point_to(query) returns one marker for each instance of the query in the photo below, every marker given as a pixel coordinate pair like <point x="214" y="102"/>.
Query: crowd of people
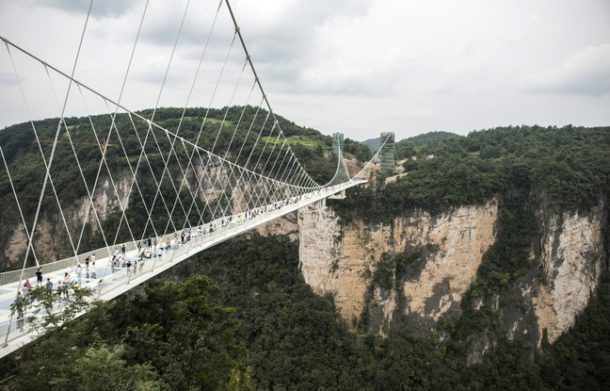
<point x="146" y="248"/>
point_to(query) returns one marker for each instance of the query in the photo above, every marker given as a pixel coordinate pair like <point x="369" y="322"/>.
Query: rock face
<point x="343" y="261"/>
<point x="572" y="262"/>
<point x="105" y="201"/>
<point x="284" y="226"/>
<point x="433" y="261"/>
<point x="16" y="244"/>
<point x="51" y="240"/>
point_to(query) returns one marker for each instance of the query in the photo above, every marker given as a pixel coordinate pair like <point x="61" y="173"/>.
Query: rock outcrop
<point x="442" y="256"/>
<point x="287" y="225"/>
<point x="343" y="260"/>
<point x="51" y="240"/>
<point x="572" y="263"/>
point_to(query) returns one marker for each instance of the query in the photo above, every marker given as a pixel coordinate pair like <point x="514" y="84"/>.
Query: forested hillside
<point x="241" y="317"/>
<point x="406" y="147"/>
<point x="241" y="134"/>
<point x="421" y="143"/>
<point x="22" y="154"/>
<point x="372" y="143"/>
<point x="569" y="168"/>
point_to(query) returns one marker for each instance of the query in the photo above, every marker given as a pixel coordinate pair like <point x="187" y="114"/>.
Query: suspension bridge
<point x="124" y="195"/>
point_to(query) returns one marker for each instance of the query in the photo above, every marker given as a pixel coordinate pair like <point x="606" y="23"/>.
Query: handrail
<point x="110" y="285"/>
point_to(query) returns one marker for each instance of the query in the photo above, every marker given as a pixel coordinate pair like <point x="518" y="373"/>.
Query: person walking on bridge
<point x="38" y="276"/>
<point x="66" y="285"/>
<point x="128" y="266"/>
<point x="19" y="307"/>
<point x="27" y="286"/>
<point x="79" y="274"/>
<point x="87" y="267"/>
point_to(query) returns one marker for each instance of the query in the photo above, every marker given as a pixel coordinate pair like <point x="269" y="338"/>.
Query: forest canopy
<point x="565" y="168"/>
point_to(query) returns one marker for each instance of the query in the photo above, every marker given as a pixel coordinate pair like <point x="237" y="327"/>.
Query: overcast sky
<point x="355" y="66"/>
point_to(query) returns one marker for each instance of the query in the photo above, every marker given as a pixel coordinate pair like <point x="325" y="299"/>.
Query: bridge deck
<point x="108" y="284"/>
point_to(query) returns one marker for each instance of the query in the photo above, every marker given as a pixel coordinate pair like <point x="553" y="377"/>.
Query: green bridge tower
<point x="387" y="154"/>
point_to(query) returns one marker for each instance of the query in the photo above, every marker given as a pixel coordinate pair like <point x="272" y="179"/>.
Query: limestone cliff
<point x="572" y="262"/>
<point x="415" y="271"/>
<point x="343" y="260"/>
<point x="51" y="240"/>
<point x="284" y="226"/>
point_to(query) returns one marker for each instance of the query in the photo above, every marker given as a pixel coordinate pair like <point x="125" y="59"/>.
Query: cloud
<point x="308" y="54"/>
<point x="281" y="45"/>
<point x="100" y="9"/>
<point x="586" y="72"/>
<point x="350" y="65"/>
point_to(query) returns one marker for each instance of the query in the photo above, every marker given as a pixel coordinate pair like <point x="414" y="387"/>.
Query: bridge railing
<point x="29" y="272"/>
<point x="107" y="283"/>
<point x="120" y="278"/>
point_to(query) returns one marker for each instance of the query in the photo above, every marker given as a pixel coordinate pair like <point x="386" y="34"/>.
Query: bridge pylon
<point x="387" y="153"/>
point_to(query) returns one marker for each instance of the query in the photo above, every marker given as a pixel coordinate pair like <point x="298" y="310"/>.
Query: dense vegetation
<point x="141" y="341"/>
<point x="124" y="142"/>
<point x="372" y="143"/>
<point x="21" y="149"/>
<point x="240" y="315"/>
<point x="356" y="150"/>
<point x="255" y="324"/>
<point x="405" y="147"/>
<point x="565" y="168"/>
<point x="409" y="147"/>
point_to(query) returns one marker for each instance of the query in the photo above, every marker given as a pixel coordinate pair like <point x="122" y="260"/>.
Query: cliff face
<point x="430" y="263"/>
<point x="287" y="225"/>
<point x="343" y="261"/>
<point x="51" y="240"/>
<point x="572" y="260"/>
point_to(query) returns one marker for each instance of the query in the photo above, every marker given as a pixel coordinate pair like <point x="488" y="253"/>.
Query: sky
<point x="355" y="66"/>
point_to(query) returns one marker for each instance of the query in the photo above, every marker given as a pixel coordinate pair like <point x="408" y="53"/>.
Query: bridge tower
<point x="387" y="153"/>
<point x="337" y="142"/>
<point x="337" y="149"/>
